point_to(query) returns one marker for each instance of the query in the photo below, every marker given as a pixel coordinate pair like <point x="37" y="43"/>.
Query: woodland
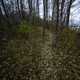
<point x="37" y="41"/>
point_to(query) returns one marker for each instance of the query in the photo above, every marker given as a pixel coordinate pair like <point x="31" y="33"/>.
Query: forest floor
<point x="30" y="56"/>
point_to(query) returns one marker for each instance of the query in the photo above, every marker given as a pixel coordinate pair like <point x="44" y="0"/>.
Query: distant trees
<point x="37" y="8"/>
<point x="1" y="15"/>
<point x="4" y="9"/>
<point x="57" y="8"/>
<point x="61" y="14"/>
<point x="18" y="8"/>
<point x="60" y="9"/>
<point x="45" y="6"/>
<point x="1" y="12"/>
<point x="68" y="11"/>
<point x="30" y="7"/>
<point x="21" y="6"/>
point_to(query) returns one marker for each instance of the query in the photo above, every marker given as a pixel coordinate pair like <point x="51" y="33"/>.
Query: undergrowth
<point x="32" y="58"/>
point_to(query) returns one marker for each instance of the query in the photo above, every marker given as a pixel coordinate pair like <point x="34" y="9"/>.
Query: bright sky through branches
<point x="75" y="13"/>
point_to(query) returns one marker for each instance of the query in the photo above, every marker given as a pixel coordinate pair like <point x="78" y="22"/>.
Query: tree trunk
<point x="53" y="7"/>
<point x="61" y="14"/>
<point x="19" y="8"/>
<point x="57" y="17"/>
<point x="3" y="5"/>
<point x="30" y="10"/>
<point x="37" y="8"/>
<point x="37" y="5"/>
<point x="68" y="12"/>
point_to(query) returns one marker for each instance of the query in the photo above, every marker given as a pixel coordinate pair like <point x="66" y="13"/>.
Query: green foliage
<point x="24" y="27"/>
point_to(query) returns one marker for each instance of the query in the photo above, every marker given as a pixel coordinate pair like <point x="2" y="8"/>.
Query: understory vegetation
<point x="39" y="40"/>
<point x="25" y="54"/>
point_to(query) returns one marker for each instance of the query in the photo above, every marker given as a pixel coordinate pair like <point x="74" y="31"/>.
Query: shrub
<point x="24" y="27"/>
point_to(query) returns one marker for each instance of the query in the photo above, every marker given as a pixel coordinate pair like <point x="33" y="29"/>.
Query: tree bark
<point x="68" y="12"/>
<point x="61" y="15"/>
<point x="18" y="8"/>
<point x="3" y="5"/>
<point x="30" y="10"/>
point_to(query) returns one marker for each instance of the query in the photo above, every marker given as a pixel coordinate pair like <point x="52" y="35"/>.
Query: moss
<point x="24" y="27"/>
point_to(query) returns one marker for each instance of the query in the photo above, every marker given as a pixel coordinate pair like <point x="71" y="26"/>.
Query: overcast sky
<point x="75" y="12"/>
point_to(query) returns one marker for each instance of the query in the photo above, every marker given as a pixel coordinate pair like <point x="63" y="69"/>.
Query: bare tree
<point x="37" y="6"/>
<point x="62" y="13"/>
<point x="45" y="6"/>
<point x="0" y="14"/>
<point x="53" y="9"/>
<point x="45" y="10"/>
<point x="30" y="8"/>
<point x="21" y="7"/>
<point x="68" y="11"/>
<point x="18" y="7"/>
<point x="3" y="5"/>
